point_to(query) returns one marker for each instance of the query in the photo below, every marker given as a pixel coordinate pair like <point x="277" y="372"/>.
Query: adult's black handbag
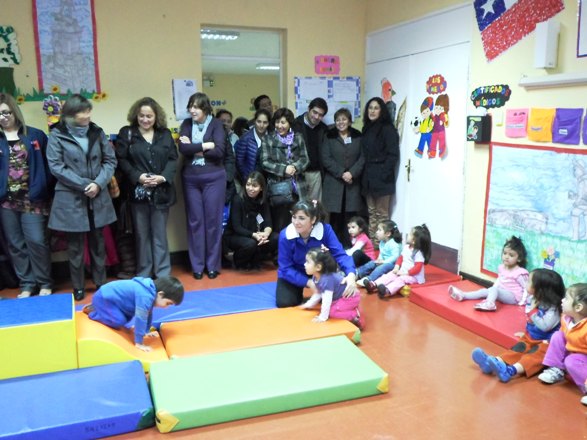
<point x="281" y="193"/>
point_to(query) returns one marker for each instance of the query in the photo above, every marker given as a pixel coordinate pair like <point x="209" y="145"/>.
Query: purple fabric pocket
<point x="585" y="130"/>
<point x="566" y="128"/>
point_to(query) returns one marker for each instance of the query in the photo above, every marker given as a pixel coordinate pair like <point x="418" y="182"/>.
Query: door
<point x="429" y="189"/>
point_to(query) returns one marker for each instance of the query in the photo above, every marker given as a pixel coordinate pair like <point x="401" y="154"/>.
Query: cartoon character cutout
<point x="438" y="141"/>
<point x="387" y="93"/>
<point x="424" y="126"/>
<point x="472" y="131"/>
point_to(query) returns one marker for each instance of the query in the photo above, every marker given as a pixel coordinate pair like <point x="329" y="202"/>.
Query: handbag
<point x="280" y="193"/>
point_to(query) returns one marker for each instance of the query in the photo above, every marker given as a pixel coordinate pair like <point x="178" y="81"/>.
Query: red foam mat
<point x="498" y="327"/>
<point x="436" y="275"/>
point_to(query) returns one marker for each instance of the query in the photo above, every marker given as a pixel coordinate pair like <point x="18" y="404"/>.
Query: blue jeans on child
<point x="374" y="270"/>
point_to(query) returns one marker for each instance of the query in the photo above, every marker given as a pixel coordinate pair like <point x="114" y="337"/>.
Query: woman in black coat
<point x="343" y="162"/>
<point x="249" y="232"/>
<point x="380" y="145"/>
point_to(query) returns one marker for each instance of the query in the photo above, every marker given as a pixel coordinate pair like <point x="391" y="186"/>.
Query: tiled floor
<point x="436" y="391"/>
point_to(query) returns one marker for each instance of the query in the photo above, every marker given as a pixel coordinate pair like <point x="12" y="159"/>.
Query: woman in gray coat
<point x="343" y="163"/>
<point x="83" y="161"/>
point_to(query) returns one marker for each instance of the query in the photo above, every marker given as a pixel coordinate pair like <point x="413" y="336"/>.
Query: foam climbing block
<point x="221" y="387"/>
<point x="498" y="327"/>
<point x="98" y="344"/>
<point x="436" y="275"/>
<point x="76" y="404"/>
<point x="37" y="335"/>
<point x="247" y="330"/>
<point x="222" y="301"/>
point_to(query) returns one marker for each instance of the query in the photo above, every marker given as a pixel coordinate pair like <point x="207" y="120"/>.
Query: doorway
<point x="239" y="64"/>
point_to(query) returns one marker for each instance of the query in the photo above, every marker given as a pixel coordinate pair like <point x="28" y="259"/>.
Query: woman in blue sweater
<point x="305" y="232"/>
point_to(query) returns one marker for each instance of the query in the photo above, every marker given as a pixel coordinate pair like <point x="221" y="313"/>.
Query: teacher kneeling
<point x="305" y="232"/>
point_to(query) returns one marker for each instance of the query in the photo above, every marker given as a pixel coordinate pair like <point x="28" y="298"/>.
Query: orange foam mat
<point x="247" y="330"/>
<point x="499" y="327"/>
<point x="98" y="344"/>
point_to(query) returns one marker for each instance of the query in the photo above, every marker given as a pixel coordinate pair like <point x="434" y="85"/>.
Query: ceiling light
<point x="267" y="66"/>
<point x="211" y="34"/>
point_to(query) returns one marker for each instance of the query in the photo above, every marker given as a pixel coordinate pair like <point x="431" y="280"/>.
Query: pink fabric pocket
<point x="516" y="121"/>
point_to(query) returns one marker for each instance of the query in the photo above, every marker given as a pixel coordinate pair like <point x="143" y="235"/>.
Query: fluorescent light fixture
<point x="213" y="34"/>
<point x="557" y="80"/>
<point x="262" y="66"/>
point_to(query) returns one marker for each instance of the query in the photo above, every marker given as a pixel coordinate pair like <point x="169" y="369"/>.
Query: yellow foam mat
<point x="98" y="344"/>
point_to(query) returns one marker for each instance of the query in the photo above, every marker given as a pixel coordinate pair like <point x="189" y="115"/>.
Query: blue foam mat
<point x="215" y="302"/>
<point x="86" y="403"/>
<point x="35" y="310"/>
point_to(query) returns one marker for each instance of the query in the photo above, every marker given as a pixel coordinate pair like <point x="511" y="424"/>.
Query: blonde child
<point x="409" y="267"/>
<point x="390" y="247"/>
<point x="546" y="289"/>
<point x="567" y="351"/>
<point x="327" y="287"/>
<point x="362" y="249"/>
<point x="510" y="286"/>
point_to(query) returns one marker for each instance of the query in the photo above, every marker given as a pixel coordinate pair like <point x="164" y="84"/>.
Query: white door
<point x="429" y="190"/>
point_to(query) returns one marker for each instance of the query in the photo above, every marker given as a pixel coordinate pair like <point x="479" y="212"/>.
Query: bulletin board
<point x="540" y="195"/>
<point x="338" y="92"/>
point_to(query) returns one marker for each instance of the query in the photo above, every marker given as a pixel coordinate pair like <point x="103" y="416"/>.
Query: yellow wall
<point x="506" y="69"/>
<point x="143" y="44"/>
<point x="239" y="90"/>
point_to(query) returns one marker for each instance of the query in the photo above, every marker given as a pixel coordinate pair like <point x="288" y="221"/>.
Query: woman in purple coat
<point x="202" y="140"/>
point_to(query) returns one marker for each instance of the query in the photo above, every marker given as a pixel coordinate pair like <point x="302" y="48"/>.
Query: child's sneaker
<point x="361" y="282"/>
<point x="456" y="294"/>
<point x="486" y="306"/>
<point x="500" y="369"/>
<point x="584" y="400"/>
<point x="382" y="291"/>
<point x="552" y="375"/>
<point x="481" y="359"/>
<point x="370" y="286"/>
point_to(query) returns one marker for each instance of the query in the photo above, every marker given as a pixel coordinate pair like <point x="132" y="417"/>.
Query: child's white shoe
<point x="456" y="294"/>
<point x="552" y="375"/>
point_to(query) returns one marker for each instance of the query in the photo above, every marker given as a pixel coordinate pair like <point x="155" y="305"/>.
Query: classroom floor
<point x="436" y="391"/>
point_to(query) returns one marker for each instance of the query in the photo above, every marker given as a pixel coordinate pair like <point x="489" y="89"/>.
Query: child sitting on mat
<point x="326" y="285"/>
<point x="115" y="304"/>
<point x="409" y="267"/>
<point x="390" y="247"/>
<point x="546" y="289"/>
<point x="510" y="286"/>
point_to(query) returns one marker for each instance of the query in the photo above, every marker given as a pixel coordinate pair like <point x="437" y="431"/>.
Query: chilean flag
<point x="505" y="22"/>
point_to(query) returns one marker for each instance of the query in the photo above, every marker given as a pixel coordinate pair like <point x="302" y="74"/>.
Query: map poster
<point x="538" y="194"/>
<point x="65" y="36"/>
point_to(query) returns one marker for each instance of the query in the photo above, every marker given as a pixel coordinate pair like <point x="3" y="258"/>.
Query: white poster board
<point x="182" y="90"/>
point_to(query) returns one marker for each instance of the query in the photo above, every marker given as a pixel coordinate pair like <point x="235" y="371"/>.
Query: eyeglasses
<point x="6" y="114"/>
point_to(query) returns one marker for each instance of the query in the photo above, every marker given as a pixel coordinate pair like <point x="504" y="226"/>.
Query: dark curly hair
<point x="324" y="259"/>
<point x="549" y="288"/>
<point x="516" y="245"/>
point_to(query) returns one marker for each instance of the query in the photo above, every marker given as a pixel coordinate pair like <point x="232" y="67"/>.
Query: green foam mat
<point x="221" y="387"/>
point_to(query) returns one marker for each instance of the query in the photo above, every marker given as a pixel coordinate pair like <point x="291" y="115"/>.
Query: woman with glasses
<point x="26" y="187"/>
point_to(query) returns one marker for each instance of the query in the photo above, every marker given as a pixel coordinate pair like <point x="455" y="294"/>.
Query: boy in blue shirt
<point x="117" y="303"/>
